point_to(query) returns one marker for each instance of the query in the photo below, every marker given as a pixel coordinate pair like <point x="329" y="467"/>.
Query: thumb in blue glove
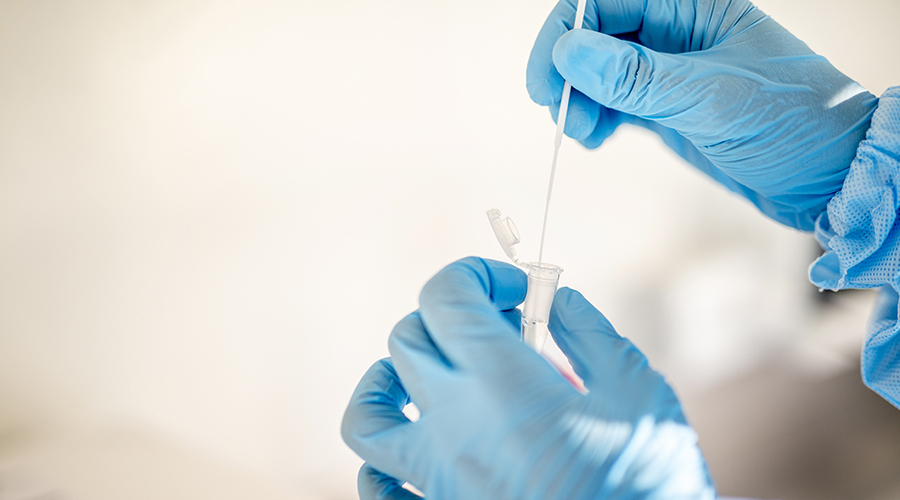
<point x="726" y="87"/>
<point x="497" y="421"/>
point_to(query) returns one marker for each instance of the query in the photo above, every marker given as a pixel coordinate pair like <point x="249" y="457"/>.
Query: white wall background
<point x="212" y="213"/>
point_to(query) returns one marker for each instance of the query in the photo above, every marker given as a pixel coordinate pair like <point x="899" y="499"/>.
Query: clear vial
<point x="543" y="280"/>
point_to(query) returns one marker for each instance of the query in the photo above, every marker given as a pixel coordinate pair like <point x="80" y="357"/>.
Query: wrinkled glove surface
<point x="723" y="84"/>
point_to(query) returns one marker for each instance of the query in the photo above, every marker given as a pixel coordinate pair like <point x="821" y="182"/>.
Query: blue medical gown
<point x="860" y="232"/>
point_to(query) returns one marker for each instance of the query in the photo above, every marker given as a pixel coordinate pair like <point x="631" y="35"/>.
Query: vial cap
<point x="506" y="232"/>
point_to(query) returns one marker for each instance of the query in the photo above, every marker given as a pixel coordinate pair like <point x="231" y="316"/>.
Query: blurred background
<point x="212" y="213"/>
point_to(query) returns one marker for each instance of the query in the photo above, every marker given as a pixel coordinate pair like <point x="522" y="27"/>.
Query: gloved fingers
<point x="461" y="310"/>
<point x="514" y="317"/>
<point x="611" y="367"/>
<point x="586" y="337"/>
<point x="418" y="362"/>
<point x="663" y="25"/>
<point x="426" y="371"/>
<point x="629" y="77"/>
<point x="607" y="123"/>
<point x="374" y="425"/>
<point x="581" y="117"/>
<point x="375" y="485"/>
<point x="543" y="81"/>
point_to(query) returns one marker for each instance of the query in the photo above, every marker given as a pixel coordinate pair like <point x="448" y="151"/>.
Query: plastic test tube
<point x="543" y="279"/>
<point x="542" y="282"/>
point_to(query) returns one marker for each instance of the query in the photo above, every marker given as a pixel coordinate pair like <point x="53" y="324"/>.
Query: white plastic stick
<point x="560" y="129"/>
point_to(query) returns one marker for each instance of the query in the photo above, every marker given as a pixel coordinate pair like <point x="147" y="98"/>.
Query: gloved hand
<point x="724" y="85"/>
<point x="498" y="422"/>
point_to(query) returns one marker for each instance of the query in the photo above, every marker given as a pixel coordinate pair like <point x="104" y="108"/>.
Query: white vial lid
<point x="506" y="232"/>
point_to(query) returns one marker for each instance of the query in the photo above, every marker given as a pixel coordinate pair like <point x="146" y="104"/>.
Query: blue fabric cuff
<point x="860" y="234"/>
<point x="859" y="229"/>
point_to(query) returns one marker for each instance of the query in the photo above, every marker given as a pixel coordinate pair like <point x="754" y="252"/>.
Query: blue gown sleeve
<point x="860" y="232"/>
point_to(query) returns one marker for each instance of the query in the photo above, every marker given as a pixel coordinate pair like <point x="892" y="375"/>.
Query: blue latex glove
<point x="498" y="422"/>
<point x="724" y="85"/>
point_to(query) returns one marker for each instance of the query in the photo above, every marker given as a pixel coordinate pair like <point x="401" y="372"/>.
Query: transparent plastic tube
<point x="543" y="280"/>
